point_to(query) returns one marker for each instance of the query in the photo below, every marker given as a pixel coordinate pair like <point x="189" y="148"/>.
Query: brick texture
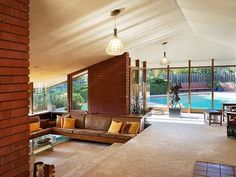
<point x="109" y="85"/>
<point x="14" y="63"/>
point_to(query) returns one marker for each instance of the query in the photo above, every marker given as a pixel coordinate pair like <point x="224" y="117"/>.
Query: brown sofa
<point x="93" y="127"/>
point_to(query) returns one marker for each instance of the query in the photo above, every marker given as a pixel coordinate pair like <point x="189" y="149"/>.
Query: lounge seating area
<point x="91" y="127"/>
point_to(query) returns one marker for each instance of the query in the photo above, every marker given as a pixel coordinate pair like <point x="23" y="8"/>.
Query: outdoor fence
<point x="200" y="78"/>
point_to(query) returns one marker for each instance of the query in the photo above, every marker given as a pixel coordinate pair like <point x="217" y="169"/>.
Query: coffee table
<point x="46" y="142"/>
<point x="36" y="147"/>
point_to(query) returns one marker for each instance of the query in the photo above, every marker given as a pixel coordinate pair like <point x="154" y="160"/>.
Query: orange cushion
<point x="69" y="123"/>
<point x="35" y="127"/>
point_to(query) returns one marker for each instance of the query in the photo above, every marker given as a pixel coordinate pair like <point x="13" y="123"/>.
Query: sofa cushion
<point x="79" y="119"/>
<point x="34" y="119"/>
<point x="118" y="136"/>
<point x="69" y="123"/>
<point x="97" y="122"/>
<point x="35" y="127"/>
<point x="62" y="130"/>
<point x="88" y="132"/>
<point x="44" y="123"/>
<point x="40" y="133"/>
<point x="125" y="128"/>
<point x="115" y="127"/>
<point x="134" y="128"/>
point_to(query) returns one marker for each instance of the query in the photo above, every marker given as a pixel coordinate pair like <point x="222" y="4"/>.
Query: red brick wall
<point x="14" y="128"/>
<point x="108" y="86"/>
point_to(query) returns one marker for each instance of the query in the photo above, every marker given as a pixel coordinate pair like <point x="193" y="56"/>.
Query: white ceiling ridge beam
<point x="184" y="15"/>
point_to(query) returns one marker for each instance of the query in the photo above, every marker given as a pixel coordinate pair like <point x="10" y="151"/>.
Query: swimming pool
<point x="198" y="100"/>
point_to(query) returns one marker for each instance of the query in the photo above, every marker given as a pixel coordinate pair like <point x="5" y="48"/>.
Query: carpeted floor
<point x="70" y="155"/>
<point x="169" y="148"/>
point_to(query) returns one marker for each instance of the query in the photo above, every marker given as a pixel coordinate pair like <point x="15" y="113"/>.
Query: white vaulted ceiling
<point x="69" y="35"/>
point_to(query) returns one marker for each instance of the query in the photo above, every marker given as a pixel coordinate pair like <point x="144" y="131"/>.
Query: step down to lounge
<point x="76" y="172"/>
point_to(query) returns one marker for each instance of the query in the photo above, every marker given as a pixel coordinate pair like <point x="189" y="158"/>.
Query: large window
<point x="203" y="95"/>
<point x="58" y="96"/>
<point x="157" y="81"/>
<point x="224" y="85"/>
<point x="80" y="91"/>
<point x="40" y="97"/>
<point x="201" y="87"/>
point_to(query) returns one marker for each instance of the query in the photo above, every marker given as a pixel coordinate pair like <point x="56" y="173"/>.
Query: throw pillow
<point x="69" y="123"/>
<point x="35" y="127"/>
<point x="115" y="127"/>
<point x="125" y="128"/>
<point x="134" y="128"/>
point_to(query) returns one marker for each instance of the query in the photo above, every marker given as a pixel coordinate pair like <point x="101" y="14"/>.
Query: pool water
<point x="198" y="100"/>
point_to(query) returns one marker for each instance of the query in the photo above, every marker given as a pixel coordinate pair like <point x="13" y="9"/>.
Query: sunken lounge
<point x="108" y="88"/>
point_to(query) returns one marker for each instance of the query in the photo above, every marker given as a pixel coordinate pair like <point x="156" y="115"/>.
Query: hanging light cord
<point x="115" y="29"/>
<point x="115" y="21"/>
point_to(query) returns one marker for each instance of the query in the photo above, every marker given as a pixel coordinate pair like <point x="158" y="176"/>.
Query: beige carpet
<point x="71" y="155"/>
<point x="168" y="149"/>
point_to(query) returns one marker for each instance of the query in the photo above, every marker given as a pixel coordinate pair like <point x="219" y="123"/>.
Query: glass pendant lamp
<point x="115" y="47"/>
<point x="164" y="61"/>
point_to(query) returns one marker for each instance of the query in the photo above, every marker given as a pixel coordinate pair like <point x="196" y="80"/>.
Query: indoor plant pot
<point x="174" y="112"/>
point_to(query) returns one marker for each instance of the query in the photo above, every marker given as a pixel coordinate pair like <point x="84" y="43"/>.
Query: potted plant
<point x="175" y="107"/>
<point x="136" y="106"/>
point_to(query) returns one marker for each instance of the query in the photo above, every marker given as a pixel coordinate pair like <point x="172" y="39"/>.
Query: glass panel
<point x="80" y="92"/>
<point x="157" y="81"/>
<point x="225" y="85"/>
<point x="201" y="87"/>
<point x="180" y="76"/>
<point x="40" y="99"/>
<point x="58" y="96"/>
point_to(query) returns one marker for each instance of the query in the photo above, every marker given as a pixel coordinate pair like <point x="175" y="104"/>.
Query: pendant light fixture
<point x="164" y="61"/>
<point x="115" y="47"/>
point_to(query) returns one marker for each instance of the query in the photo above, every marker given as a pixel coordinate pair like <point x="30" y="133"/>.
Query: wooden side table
<point x="211" y="114"/>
